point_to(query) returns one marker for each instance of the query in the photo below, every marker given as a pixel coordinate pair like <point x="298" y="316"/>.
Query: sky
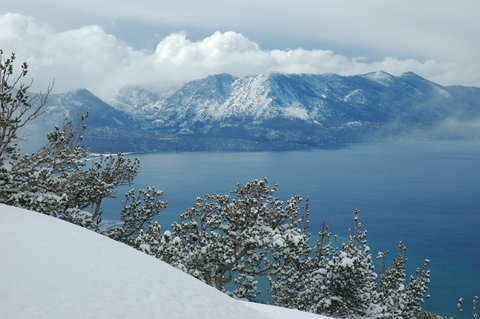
<point x="102" y="45"/>
<point x="53" y="269"/>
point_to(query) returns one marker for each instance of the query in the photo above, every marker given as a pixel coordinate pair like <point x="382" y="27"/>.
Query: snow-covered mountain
<point x="54" y="269"/>
<point x="131" y="97"/>
<point x="107" y="126"/>
<point x="324" y="100"/>
<point x="276" y="110"/>
<point x="81" y="101"/>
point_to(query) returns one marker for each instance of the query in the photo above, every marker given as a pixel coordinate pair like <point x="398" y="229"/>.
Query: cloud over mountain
<point x="89" y="57"/>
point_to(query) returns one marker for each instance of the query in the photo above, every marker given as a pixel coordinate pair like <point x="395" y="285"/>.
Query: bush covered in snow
<point x="342" y="282"/>
<point x="61" y="178"/>
<point x="223" y="239"/>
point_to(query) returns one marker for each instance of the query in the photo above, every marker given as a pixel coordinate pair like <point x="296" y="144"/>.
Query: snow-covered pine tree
<point x="151" y="241"/>
<point x="341" y="282"/>
<point x="396" y="298"/>
<point x="414" y="295"/>
<point x="32" y="180"/>
<point x="290" y="283"/>
<point x="345" y="283"/>
<point x="338" y="282"/>
<point x="93" y="181"/>
<point x="139" y="208"/>
<point x="16" y="107"/>
<point x="293" y="287"/>
<point x="60" y="179"/>
<point x="245" y="287"/>
<point x="391" y="286"/>
<point x="39" y="181"/>
<point x="252" y="234"/>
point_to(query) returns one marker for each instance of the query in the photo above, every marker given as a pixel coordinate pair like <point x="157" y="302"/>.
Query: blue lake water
<point x="425" y="193"/>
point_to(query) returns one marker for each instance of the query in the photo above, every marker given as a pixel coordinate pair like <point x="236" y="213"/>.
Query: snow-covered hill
<point x="52" y="269"/>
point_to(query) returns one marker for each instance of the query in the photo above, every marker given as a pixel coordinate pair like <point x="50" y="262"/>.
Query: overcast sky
<point x="102" y="45"/>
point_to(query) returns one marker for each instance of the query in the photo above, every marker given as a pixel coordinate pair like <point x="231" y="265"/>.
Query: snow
<point x="282" y="313"/>
<point x="442" y="92"/>
<point x="380" y="77"/>
<point x="356" y="96"/>
<point x="347" y="262"/>
<point x="296" y="111"/>
<point x="54" y="269"/>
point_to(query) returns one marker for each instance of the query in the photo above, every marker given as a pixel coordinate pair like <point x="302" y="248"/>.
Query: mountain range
<point x="270" y="111"/>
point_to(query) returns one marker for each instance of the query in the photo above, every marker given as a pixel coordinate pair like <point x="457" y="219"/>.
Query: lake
<point x="425" y="193"/>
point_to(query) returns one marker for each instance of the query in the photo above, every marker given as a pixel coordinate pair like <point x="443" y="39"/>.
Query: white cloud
<point x="88" y="57"/>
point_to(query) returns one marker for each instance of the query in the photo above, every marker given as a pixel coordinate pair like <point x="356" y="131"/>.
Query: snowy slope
<point x="52" y="269"/>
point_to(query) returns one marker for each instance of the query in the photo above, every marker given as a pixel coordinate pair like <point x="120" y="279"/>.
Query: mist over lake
<point x="425" y="193"/>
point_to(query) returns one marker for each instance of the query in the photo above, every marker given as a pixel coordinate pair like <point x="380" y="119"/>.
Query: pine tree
<point x="16" y="107"/>
<point x="138" y="211"/>
<point x="341" y="281"/>
<point x="61" y="179"/>
<point x="345" y="279"/>
<point x="396" y="298"/>
<point x="292" y="286"/>
<point x="245" y="287"/>
<point x="34" y="181"/>
<point x="93" y="181"/>
<point x="415" y="291"/>
<point x="227" y="239"/>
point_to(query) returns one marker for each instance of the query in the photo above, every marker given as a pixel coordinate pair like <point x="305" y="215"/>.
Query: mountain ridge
<point x="273" y="110"/>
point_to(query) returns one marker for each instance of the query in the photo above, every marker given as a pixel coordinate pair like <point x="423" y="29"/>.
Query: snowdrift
<point x="52" y="269"/>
